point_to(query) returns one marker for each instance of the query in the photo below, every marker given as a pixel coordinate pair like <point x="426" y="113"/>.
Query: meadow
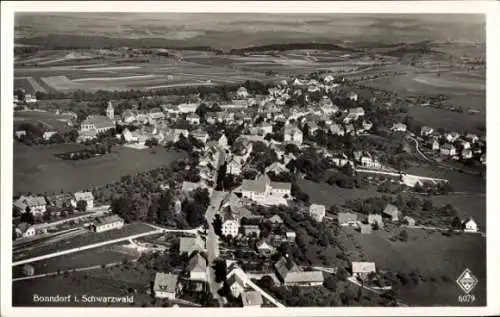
<point x="98" y="256"/>
<point x="436" y="258"/>
<point x="49" y="120"/>
<point x="325" y="194"/>
<point x="37" y="170"/>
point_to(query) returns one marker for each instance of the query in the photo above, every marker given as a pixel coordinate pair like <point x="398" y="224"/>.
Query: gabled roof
<point x="363" y="267"/>
<point x="281" y="185"/>
<point x="391" y="210"/>
<point x="108" y="219"/>
<point x="285" y="266"/>
<point x="190" y="244"/>
<point x="197" y="263"/>
<point x="251" y="298"/>
<point x="84" y="196"/>
<point x="235" y="279"/>
<point x="262" y="244"/>
<point x="304" y="277"/>
<point x="275" y="219"/>
<point x="165" y="282"/>
<point x="345" y="217"/>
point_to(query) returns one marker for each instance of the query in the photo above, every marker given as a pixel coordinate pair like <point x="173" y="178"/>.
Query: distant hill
<point x="70" y="41"/>
<point x="292" y="46"/>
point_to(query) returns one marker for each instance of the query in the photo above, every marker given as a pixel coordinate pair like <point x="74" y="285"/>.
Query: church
<point x="95" y="124"/>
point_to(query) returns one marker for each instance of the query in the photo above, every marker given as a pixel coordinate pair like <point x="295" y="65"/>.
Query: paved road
<point x="417" y="147"/>
<point x="212" y="242"/>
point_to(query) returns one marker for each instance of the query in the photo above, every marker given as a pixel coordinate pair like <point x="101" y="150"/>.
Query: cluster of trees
<point x="224" y="91"/>
<point x="89" y="152"/>
<point x="34" y="135"/>
<point x="431" y="188"/>
<point x="262" y="156"/>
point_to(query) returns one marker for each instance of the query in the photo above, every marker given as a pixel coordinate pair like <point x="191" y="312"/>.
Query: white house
<point x="264" y="191"/>
<point x="448" y="150"/>
<point x="187" y="107"/>
<point x="25" y="230"/>
<point x="399" y="127"/>
<point x="200" y="135"/>
<point x="317" y="212"/>
<point x="165" y="285"/>
<point x="193" y="118"/>
<point x="425" y="131"/>
<point x="242" y="93"/>
<point x="236" y="284"/>
<point x="452" y="137"/>
<point x="234" y="167"/>
<point x="37" y="204"/>
<point x="107" y="223"/>
<point x="197" y="268"/>
<point x="466" y="153"/>
<point x="362" y="269"/>
<point x="86" y="196"/>
<point x="48" y="134"/>
<point x="353" y="96"/>
<point x="251" y="299"/>
<point x="293" y="134"/>
<point x="470" y="225"/>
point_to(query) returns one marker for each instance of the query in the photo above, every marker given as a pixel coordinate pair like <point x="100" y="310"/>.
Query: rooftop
<point x="165" y="282"/>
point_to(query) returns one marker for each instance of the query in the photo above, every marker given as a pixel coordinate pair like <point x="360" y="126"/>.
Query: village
<point x="248" y="156"/>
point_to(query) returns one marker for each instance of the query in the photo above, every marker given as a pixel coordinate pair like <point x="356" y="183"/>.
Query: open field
<point x="86" y="238"/>
<point x="322" y="193"/>
<point x="467" y="206"/>
<point x="464" y="89"/>
<point x="99" y="256"/>
<point x="460" y="182"/>
<point x="49" y="120"/>
<point x="431" y="255"/>
<point x="50" y="174"/>
<point x="112" y="281"/>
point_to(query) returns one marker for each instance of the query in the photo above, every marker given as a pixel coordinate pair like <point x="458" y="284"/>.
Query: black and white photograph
<point x="246" y="159"/>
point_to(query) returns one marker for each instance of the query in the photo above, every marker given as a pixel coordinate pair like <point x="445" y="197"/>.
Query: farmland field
<point x="465" y="90"/>
<point x="51" y="174"/>
<point x="439" y="259"/>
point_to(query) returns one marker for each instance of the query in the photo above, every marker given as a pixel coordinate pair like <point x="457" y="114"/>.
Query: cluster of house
<point x="28" y="98"/>
<point x="454" y="144"/>
<point x="37" y="206"/>
<point x="391" y="213"/>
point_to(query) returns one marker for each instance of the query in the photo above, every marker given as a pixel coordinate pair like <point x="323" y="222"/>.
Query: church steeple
<point x="110" y="111"/>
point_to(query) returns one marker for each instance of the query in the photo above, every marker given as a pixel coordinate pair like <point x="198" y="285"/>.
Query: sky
<point x="236" y="30"/>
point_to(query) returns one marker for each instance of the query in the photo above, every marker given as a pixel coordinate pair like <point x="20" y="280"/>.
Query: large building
<point x="107" y="223"/>
<point x="266" y="192"/>
<point x="94" y="124"/>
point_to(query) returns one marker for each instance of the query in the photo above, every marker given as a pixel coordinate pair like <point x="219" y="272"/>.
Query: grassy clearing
<point x="322" y="193"/>
<point x="50" y="174"/>
<point x="467" y="206"/>
<point x="99" y="256"/>
<point x="86" y="239"/>
<point x="438" y="259"/>
<point x="112" y="281"/>
<point x="50" y="121"/>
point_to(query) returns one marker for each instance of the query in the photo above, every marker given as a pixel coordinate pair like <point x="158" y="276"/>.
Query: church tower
<point x="110" y="111"/>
